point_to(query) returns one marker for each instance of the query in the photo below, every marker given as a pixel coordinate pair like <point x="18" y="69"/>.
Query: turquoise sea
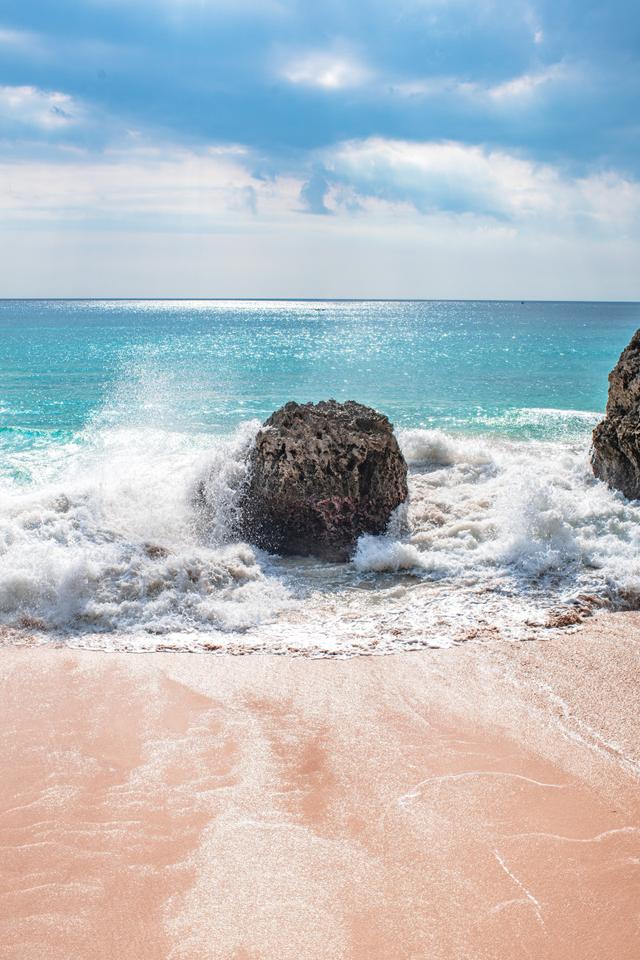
<point x="463" y="366"/>
<point x="111" y="412"/>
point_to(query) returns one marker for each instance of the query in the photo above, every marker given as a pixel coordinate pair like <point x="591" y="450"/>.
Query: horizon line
<point x="96" y="299"/>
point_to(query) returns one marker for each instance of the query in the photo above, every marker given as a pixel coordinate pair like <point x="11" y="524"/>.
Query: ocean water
<point x="112" y="413"/>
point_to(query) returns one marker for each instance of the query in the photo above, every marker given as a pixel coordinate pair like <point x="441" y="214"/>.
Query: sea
<point x="113" y="414"/>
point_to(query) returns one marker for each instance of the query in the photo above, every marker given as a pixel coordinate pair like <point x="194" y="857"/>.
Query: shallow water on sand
<point x="114" y="413"/>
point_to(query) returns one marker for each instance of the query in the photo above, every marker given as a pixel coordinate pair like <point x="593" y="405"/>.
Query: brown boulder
<point x="320" y="475"/>
<point x="616" y="440"/>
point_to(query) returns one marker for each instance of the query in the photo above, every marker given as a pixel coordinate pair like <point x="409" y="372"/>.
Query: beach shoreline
<point x="480" y="801"/>
<point x="122" y="486"/>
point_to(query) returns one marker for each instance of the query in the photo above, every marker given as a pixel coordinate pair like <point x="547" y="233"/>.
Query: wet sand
<point x="480" y="802"/>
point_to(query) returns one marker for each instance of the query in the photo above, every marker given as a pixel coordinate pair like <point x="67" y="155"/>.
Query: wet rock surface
<point x="320" y="475"/>
<point x="616" y="440"/>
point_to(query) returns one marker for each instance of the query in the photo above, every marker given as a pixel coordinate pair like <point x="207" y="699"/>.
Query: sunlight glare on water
<point x="114" y="412"/>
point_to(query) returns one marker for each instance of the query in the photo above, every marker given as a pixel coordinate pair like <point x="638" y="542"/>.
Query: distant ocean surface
<point x="112" y="413"/>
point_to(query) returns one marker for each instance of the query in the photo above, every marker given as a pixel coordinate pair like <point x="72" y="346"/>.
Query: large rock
<point x="616" y="439"/>
<point x="319" y="476"/>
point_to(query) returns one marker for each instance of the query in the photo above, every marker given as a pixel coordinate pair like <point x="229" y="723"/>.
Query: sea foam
<point x="123" y="537"/>
<point x="134" y="532"/>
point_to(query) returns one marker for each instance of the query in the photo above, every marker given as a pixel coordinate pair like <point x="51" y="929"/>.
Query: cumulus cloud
<point x="443" y="176"/>
<point x="45" y="109"/>
<point x="327" y="70"/>
<point x="392" y="118"/>
<point x="361" y="179"/>
<point x="468" y="179"/>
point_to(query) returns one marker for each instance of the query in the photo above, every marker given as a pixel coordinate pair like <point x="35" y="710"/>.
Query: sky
<point x="338" y="148"/>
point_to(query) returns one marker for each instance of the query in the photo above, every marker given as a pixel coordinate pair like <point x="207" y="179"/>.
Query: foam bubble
<point x="123" y="536"/>
<point x="382" y="553"/>
<point x="503" y="543"/>
<point x="116" y="540"/>
<point x="437" y="448"/>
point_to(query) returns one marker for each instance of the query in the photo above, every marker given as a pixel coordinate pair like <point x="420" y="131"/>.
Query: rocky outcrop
<point x="320" y="475"/>
<point x="616" y="440"/>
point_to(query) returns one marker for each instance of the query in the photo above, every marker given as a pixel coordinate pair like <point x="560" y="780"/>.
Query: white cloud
<point x="527" y="83"/>
<point x="452" y="176"/>
<point x="30" y="106"/>
<point x="20" y="40"/>
<point x="163" y="221"/>
<point x="515" y="90"/>
<point x="366" y="180"/>
<point x="473" y="180"/>
<point x="610" y="199"/>
<point x="532" y="20"/>
<point x="143" y="185"/>
<point x="326" y="70"/>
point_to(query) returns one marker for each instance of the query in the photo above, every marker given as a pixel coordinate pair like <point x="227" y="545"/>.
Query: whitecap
<point x="124" y="536"/>
<point x="437" y="448"/>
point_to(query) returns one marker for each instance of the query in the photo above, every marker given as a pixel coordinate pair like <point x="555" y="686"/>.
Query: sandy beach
<point x="477" y="802"/>
<point x="319" y="480"/>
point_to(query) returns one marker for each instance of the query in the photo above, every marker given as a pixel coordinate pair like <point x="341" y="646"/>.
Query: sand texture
<point x="479" y="802"/>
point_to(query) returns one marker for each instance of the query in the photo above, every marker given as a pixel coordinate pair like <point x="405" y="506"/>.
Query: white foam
<point x="124" y="538"/>
<point x="510" y="535"/>
<point x="437" y="448"/>
<point x="115" y="539"/>
<point x="382" y="553"/>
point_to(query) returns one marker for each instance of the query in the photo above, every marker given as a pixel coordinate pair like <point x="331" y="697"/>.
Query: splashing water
<point x="117" y="531"/>
<point x="119" y="549"/>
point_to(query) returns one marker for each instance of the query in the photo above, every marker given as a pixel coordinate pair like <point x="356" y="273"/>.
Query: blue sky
<point x="434" y="148"/>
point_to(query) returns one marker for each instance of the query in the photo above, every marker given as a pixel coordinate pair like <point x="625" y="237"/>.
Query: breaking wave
<point x="122" y="537"/>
